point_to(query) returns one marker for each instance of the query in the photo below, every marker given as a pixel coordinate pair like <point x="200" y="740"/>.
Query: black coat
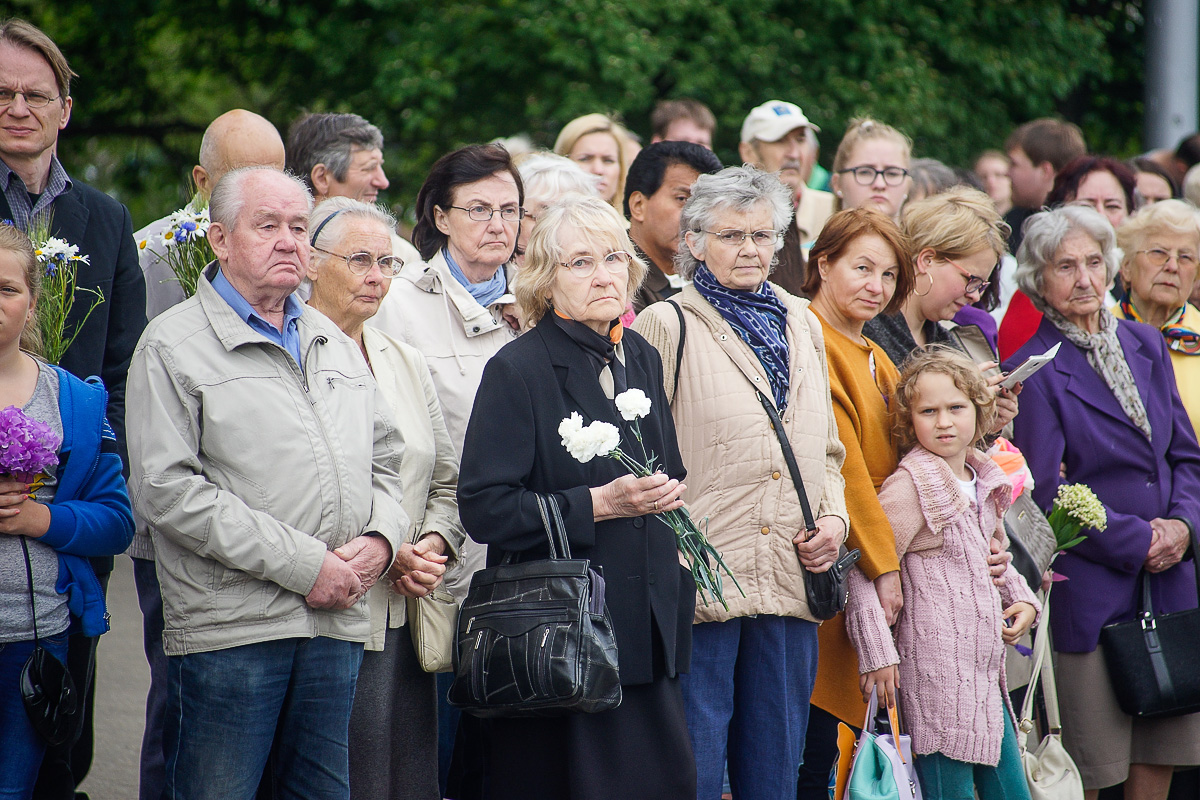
<point x="512" y="448"/>
<point x="102" y="230"/>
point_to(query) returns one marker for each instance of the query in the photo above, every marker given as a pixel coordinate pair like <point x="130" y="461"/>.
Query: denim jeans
<point x="746" y="700"/>
<point x="152" y="772"/>
<point x="943" y="778"/>
<point x="226" y="708"/>
<point x="21" y="749"/>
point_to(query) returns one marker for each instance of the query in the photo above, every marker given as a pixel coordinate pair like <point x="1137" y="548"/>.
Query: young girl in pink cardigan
<point x="946" y="501"/>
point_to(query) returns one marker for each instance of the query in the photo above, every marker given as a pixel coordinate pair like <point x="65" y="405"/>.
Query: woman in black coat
<point x="577" y="358"/>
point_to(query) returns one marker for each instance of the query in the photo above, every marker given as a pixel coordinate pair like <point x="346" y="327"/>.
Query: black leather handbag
<point x="826" y="591"/>
<point x="1154" y="661"/>
<point x="534" y="638"/>
<point x="47" y="689"/>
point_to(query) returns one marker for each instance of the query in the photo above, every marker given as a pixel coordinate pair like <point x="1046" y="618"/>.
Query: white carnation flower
<point x="584" y="444"/>
<point x="633" y="404"/>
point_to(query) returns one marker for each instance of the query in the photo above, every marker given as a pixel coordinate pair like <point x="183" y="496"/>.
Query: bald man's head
<point x="236" y="139"/>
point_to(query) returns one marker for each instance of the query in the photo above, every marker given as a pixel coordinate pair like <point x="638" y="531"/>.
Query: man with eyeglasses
<point x="35" y="104"/>
<point x="775" y="139"/>
<point x="237" y="138"/>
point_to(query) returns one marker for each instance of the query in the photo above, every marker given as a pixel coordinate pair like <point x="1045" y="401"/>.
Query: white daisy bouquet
<point x="1075" y="507"/>
<point x="585" y="442"/>
<point x="184" y="245"/>
<point x="60" y="262"/>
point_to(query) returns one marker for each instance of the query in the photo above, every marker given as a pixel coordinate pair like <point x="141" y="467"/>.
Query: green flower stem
<point x="691" y="541"/>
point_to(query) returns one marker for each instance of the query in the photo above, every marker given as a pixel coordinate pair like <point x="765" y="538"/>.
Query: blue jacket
<point x="91" y="514"/>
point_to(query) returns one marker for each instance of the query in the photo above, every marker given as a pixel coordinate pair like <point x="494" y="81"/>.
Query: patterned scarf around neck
<point x="760" y="318"/>
<point x="1104" y="353"/>
<point x="1179" y="338"/>
<point x="484" y="293"/>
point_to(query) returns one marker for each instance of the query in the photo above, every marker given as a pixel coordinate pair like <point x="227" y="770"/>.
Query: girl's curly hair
<point x="945" y="360"/>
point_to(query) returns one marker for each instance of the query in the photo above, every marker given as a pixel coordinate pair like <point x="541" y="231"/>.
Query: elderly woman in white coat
<point x="753" y="665"/>
<point x="393" y="725"/>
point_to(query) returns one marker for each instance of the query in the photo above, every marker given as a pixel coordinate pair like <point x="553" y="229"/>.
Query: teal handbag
<point x="883" y="762"/>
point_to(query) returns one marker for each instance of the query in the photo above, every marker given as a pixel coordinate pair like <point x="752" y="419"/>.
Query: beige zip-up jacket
<point x="737" y="477"/>
<point x="429" y="471"/>
<point x="248" y="470"/>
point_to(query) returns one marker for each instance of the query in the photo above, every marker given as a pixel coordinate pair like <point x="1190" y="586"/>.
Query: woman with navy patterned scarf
<point x="747" y="341"/>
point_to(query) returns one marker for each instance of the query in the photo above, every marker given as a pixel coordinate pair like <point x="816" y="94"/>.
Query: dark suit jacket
<point x="102" y="230"/>
<point x="1069" y="416"/>
<point x="513" y="449"/>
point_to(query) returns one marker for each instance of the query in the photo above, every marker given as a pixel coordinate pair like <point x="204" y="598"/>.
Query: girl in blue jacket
<point x="60" y="519"/>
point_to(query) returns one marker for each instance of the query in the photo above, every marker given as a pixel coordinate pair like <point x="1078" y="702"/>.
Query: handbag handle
<point x="1146" y="607"/>
<point x="552" y="521"/>
<point x="1043" y="668"/>
<point x="790" y="457"/>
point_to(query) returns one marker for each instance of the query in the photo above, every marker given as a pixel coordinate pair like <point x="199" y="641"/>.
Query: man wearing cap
<point x="774" y="137"/>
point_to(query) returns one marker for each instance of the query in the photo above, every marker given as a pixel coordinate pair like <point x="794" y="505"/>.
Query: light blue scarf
<point x="484" y="293"/>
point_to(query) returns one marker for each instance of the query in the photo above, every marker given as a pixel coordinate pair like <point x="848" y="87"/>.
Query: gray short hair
<point x="333" y="213"/>
<point x="228" y="198"/>
<point x="731" y="189"/>
<point x="548" y="176"/>
<point x="1045" y="232"/>
<point x="329" y="139"/>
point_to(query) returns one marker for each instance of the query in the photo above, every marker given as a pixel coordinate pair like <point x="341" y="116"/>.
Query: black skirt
<point x="640" y="749"/>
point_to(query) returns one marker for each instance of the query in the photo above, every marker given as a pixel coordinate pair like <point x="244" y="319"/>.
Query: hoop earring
<point x="927" y="291"/>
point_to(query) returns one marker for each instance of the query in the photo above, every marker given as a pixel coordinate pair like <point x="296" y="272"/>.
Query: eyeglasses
<point x="361" y="263"/>
<point x="615" y="262"/>
<point x="865" y="176"/>
<point x="734" y="238"/>
<point x="32" y="99"/>
<point x="483" y="213"/>
<point x="975" y="284"/>
<point x="1159" y="257"/>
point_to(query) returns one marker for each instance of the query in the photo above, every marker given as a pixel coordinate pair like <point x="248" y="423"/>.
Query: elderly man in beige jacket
<point x="267" y="465"/>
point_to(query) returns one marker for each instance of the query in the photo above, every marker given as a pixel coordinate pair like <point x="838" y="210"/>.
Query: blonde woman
<point x="871" y="168"/>
<point x="600" y="145"/>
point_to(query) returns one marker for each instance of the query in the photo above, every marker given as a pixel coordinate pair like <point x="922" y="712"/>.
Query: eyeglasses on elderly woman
<point x="1159" y="257"/>
<point x="734" y="237"/>
<point x="615" y="262"/>
<point x="483" y="213"/>
<point x="361" y="263"/>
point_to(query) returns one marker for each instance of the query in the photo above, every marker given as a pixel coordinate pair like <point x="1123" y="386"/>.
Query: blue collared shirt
<point x="17" y="194"/>
<point x="289" y="340"/>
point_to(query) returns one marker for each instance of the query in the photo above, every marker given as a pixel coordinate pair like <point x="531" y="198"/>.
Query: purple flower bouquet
<point x="27" y="447"/>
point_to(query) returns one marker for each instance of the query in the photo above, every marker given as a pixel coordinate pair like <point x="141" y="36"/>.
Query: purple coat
<point x="1070" y="416"/>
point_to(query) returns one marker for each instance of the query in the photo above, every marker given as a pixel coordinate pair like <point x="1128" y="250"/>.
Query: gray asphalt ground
<point x="122" y="680"/>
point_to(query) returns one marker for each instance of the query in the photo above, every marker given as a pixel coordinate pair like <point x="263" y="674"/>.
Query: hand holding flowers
<point x="28" y="449"/>
<point x="184" y="245"/>
<point x="629" y="495"/>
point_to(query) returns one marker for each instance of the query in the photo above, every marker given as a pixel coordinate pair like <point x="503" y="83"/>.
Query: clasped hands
<point x="350" y="571"/>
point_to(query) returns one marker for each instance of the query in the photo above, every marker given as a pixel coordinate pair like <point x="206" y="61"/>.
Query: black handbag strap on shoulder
<point x="810" y="524"/>
<point x="29" y="578"/>
<point x="678" y="347"/>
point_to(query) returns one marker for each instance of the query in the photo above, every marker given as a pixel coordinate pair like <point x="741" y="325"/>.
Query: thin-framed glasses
<point x="734" y="237"/>
<point x="975" y="284"/>
<point x="483" y="213"/>
<point x="615" y="262"/>
<point x="361" y="263"/>
<point x="865" y="176"/>
<point x="32" y="99"/>
<point x="1159" y="257"/>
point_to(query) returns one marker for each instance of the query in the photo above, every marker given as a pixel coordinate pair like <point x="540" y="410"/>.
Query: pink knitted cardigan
<point x="952" y="690"/>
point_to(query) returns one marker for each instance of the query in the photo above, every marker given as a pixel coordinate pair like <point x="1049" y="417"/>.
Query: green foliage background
<point x="957" y="75"/>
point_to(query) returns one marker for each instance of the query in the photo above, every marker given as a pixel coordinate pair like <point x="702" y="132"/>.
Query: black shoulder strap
<point x="678" y="347"/>
<point x="810" y="525"/>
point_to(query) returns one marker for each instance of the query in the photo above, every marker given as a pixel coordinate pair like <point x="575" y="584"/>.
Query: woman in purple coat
<point x="1106" y="413"/>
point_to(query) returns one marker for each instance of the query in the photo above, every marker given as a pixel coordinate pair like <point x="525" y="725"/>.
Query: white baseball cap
<point x="771" y="121"/>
